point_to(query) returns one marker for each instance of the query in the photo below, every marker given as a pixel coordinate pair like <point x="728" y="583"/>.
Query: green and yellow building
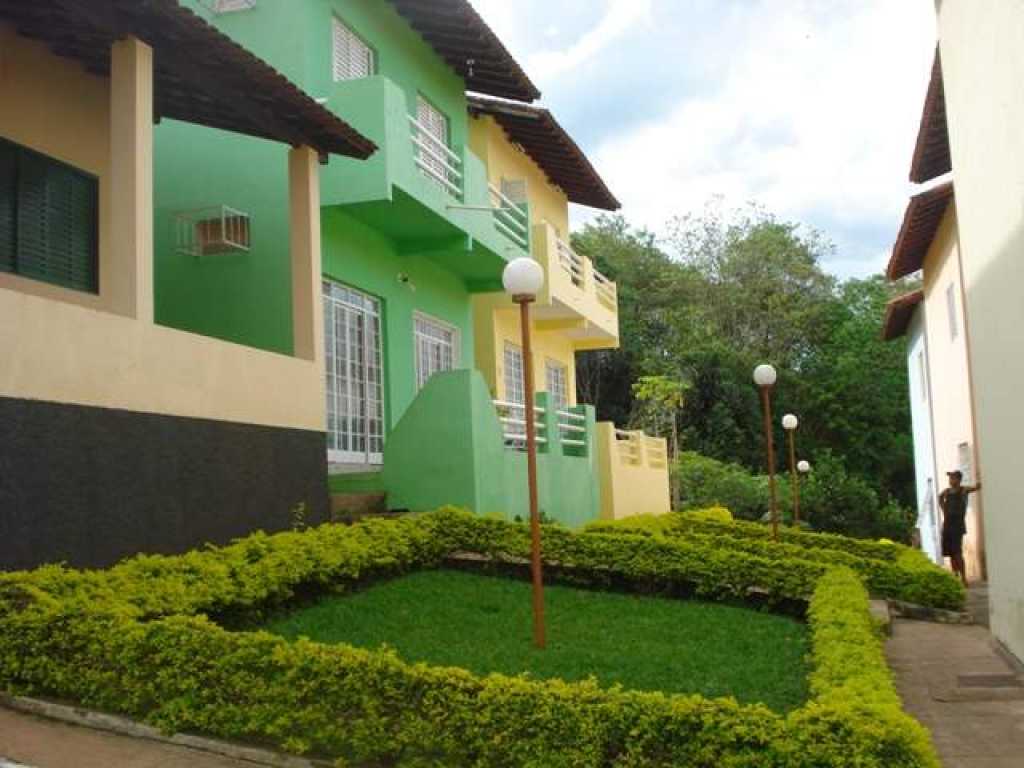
<point x="388" y="367"/>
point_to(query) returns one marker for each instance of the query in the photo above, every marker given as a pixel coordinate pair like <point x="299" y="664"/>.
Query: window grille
<point x="227" y="6"/>
<point x="355" y="385"/>
<point x="435" y="124"/>
<point x="215" y="229"/>
<point x="437" y="348"/>
<point x="353" y="58"/>
<point x="558" y="391"/>
<point x="49" y="220"/>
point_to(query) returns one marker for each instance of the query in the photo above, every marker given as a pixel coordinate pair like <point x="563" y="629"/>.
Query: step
<point x="359" y="504"/>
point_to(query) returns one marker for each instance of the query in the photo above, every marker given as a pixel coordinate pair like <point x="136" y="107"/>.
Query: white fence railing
<point x="574" y="266"/>
<point x="571" y="263"/>
<point x="572" y="428"/>
<point x="637" y="449"/>
<point x="435" y="159"/>
<point x="513" y="423"/>
<point x="607" y="293"/>
<point x="510" y="219"/>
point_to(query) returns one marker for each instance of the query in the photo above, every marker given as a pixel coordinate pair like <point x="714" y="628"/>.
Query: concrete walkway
<point x="28" y="741"/>
<point x="953" y="680"/>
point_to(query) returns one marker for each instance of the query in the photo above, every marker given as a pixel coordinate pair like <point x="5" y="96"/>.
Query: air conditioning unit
<point x="212" y="230"/>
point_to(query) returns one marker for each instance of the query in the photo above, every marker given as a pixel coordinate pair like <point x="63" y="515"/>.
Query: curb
<point x="123" y="726"/>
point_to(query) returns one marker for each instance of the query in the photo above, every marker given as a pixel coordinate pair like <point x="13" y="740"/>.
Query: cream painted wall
<point x="52" y="105"/>
<point x="982" y="46"/>
<point x="629" y="489"/>
<point x="65" y="346"/>
<point x="503" y="159"/>
<point x="952" y="421"/>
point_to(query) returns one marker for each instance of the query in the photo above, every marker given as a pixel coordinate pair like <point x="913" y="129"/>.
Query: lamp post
<point x="764" y="378"/>
<point x="790" y="423"/>
<point x="523" y="278"/>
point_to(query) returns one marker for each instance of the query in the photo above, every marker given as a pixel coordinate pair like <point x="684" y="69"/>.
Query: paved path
<point x="27" y="741"/>
<point x="951" y="679"/>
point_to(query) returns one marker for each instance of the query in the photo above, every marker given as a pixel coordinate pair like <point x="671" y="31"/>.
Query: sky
<point x="809" y="108"/>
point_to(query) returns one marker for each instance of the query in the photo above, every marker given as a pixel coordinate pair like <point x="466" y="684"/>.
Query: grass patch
<point x="483" y="624"/>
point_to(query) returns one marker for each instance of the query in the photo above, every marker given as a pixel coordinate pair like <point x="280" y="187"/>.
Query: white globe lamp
<point x="523" y="277"/>
<point x="765" y="375"/>
<point x="789" y="421"/>
<point x="803" y="466"/>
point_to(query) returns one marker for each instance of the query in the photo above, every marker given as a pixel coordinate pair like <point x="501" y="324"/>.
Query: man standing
<point x="953" y="503"/>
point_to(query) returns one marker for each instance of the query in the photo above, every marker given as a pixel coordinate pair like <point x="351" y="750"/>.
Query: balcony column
<point x="129" y="275"/>
<point x="589" y="287"/>
<point x="307" y="299"/>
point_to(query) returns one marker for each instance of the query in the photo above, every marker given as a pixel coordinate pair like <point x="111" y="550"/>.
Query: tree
<point x="658" y="400"/>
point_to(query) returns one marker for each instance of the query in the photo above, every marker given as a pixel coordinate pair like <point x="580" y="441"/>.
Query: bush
<point x="889" y="570"/>
<point x="134" y="639"/>
<point x="712" y="514"/>
<point x="705" y="482"/>
<point x="831" y="499"/>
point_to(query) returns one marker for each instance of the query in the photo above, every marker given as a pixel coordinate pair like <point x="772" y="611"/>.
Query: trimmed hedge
<point x="134" y="639"/>
<point x="908" y="576"/>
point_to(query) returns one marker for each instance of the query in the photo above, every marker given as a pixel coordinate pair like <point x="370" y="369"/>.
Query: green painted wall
<point x="362" y="258"/>
<point x="435" y="456"/>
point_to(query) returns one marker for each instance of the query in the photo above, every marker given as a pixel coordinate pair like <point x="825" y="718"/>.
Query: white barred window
<point x="353" y="58"/>
<point x="226" y="6"/>
<point x="558" y="388"/>
<point x="437" y="348"/>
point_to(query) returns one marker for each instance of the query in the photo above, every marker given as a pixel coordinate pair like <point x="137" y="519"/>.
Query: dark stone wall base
<point x="90" y="486"/>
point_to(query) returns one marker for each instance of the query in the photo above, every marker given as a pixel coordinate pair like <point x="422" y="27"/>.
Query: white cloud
<point x="620" y="16"/>
<point x="815" y="119"/>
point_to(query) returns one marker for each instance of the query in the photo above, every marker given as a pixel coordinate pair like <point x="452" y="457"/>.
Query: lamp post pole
<point x="764" y="377"/>
<point x="803" y="468"/>
<point x="524" y="302"/>
<point x="523" y="278"/>
<point x="790" y="423"/>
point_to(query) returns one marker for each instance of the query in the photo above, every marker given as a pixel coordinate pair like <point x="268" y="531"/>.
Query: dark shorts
<point x="952" y="542"/>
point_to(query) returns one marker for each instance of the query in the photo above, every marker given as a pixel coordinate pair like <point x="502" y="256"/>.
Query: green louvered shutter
<point x="8" y="209"/>
<point x="56" y="223"/>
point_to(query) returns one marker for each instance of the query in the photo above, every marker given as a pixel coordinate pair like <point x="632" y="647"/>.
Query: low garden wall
<point x="139" y="639"/>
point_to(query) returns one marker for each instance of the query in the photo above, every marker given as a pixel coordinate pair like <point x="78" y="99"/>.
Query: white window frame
<point x="954" y="326"/>
<point x="420" y="335"/>
<point x="922" y="375"/>
<point x="355" y="304"/>
<point x="436" y="124"/>
<point x="352" y="58"/>
<point x="558" y="396"/>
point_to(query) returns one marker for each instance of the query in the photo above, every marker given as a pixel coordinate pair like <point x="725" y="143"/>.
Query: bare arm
<point x="972" y="488"/>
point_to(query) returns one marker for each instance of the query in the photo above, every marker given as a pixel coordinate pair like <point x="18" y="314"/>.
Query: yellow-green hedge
<point x="889" y="570"/>
<point x="136" y="639"/>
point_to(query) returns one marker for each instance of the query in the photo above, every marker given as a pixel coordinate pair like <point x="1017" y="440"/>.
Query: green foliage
<point x="831" y="499"/>
<point x="889" y="570"/>
<point x="136" y="639"/>
<point x="855" y="702"/>
<point x="705" y="482"/>
<point x="713" y="514"/>
<point x="726" y="291"/>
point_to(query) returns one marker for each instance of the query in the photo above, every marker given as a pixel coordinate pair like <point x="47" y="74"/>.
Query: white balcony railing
<point x="607" y="293"/>
<point x="574" y="266"/>
<point x="571" y="262"/>
<point x="513" y="423"/>
<point x="510" y="219"/>
<point x="572" y="429"/>
<point x="637" y="449"/>
<point x="435" y="159"/>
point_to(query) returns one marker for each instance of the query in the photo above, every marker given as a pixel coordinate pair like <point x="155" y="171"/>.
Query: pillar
<point x="307" y="298"/>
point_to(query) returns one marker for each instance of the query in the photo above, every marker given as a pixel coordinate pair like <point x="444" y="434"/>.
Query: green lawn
<point x="483" y="624"/>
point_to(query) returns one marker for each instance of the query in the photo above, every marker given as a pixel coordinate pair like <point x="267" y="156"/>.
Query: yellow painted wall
<point x="952" y="422"/>
<point x="493" y="326"/>
<point x="629" y="489"/>
<point x="982" y="45"/>
<point x="503" y="159"/>
<point x="65" y="346"/>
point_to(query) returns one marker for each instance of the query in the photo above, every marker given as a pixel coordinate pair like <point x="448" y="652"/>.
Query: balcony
<point x="634" y="472"/>
<point x="429" y="198"/>
<point x="576" y="298"/>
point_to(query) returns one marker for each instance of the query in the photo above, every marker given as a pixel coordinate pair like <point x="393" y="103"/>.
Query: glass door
<point x="355" y="387"/>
